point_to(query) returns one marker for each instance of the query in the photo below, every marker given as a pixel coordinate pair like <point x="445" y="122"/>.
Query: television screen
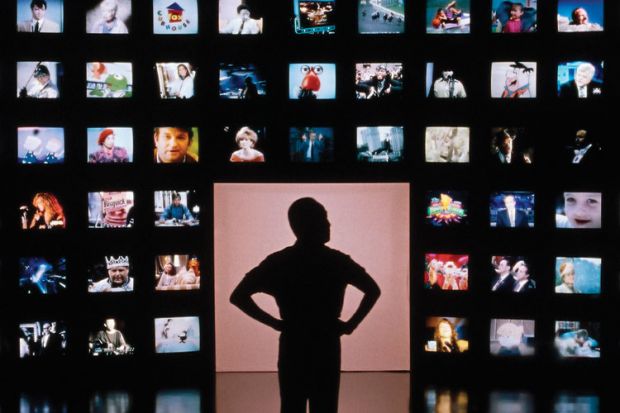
<point x="448" y="17"/>
<point x="577" y="275"/>
<point x="512" y="146"/>
<point x="110" y="337"/>
<point x="446" y="80"/>
<point x="110" y="145"/>
<point x="311" y="144"/>
<point x="378" y="80"/>
<point x="446" y="272"/>
<point x="580" y="210"/>
<point x="108" y="16"/>
<point x="176" y="144"/>
<point x="177" y="272"/>
<point x="177" y="335"/>
<point x="110" y="274"/>
<point x="514" y="16"/>
<point x="385" y="17"/>
<point x="176" y="209"/>
<point x="513" y="80"/>
<point x="42" y="339"/>
<point x="241" y="17"/>
<point x="40" y="16"/>
<point x="580" y="15"/>
<point x="245" y="143"/>
<point x="42" y="275"/>
<point x="175" y="80"/>
<point x="315" y="17"/>
<point x="242" y="81"/>
<point x="111" y="209"/>
<point x="512" y="274"/>
<point x="175" y="17"/>
<point x="309" y="81"/>
<point x="39" y="80"/>
<point x="40" y="145"/>
<point x="446" y="335"/>
<point x="44" y="211"/>
<point x="112" y="80"/>
<point x="580" y="79"/>
<point x="512" y="338"/>
<point x="577" y="339"/>
<point x="447" y="144"/>
<point x="447" y="208"/>
<point x="514" y="209"/>
<point x="380" y="144"/>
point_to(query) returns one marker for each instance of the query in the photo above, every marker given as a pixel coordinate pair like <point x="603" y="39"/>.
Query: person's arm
<point x="123" y="155"/>
<point x="34" y="220"/>
<point x="186" y="90"/>
<point x="363" y="282"/>
<point x="188" y="215"/>
<point x="166" y="214"/>
<point x="242" y="298"/>
<point x="462" y="93"/>
<point x="230" y="27"/>
<point x="122" y="340"/>
<point x="160" y="283"/>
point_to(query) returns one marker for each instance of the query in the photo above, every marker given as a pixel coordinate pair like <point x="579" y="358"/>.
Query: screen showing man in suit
<point x="512" y="210"/>
<point x="39" y="16"/>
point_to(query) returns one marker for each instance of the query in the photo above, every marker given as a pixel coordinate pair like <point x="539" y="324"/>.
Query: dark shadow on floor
<point x="368" y="392"/>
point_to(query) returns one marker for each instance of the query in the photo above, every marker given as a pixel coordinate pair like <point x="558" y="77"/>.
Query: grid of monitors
<point x="116" y="146"/>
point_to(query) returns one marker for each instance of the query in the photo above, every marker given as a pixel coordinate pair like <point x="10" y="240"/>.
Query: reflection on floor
<point x="359" y="392"/>
<point x="258" y="393"/>
<point x="452" y="400"/>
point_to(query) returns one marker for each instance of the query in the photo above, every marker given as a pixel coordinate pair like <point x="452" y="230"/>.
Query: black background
<point x="547" y="119"/>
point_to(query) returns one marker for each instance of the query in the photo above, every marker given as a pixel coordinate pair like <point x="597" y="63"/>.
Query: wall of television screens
<point x="464" y="152"/>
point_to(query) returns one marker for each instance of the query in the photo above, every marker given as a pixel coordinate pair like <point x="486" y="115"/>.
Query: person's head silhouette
<point x="308" y="220"/>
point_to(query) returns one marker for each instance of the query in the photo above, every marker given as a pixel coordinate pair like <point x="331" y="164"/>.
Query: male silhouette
<point x="308" y="281"/>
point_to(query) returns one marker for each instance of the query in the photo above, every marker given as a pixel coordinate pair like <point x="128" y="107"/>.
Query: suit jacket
<point x="506" y="286"/>
<point x="53" y="346"/>
<point x="48" y="26"/>
<point x="504" y="222"/>
<point x="569" y="89"/>
<point x="529" y="286"/>
<point x="316" y="152"/>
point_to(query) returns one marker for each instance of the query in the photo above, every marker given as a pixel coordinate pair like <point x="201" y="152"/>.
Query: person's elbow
<point x="235" y="298"/>
<point x="374" y="292"/>
<point x="239" y="297"/>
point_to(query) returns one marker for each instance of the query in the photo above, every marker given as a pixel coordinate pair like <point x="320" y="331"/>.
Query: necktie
<point x="241" y="28"/>
<point x="36" y="27"/>
<point x="309" y="153"/>
<point x="511" y="216"/>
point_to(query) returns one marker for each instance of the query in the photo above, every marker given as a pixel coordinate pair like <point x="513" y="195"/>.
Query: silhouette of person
<point x="308" y="281"/>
